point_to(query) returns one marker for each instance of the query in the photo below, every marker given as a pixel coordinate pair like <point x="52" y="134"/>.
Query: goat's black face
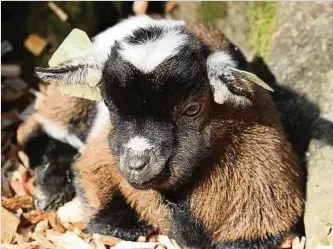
<point x="159" y="117"/>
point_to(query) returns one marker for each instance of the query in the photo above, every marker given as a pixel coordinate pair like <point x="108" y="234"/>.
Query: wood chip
<point x="67" y="240"/>
<point x="5" y="188"/>
<point x="35" y="216"/>
<point x="109" y="240"/>
<point x="142" y="239"/>
<point x="58" y="11"/>
<point x="135" y="245"/>
<point x="299" y="243"/>
<point x="98" y="241"/>
<point x="35" y="44"/>
<point x="140" y="7"/>
<point x="29" y="245"/>
<point x="10" y="70"/>
<point x="42" y="226"/>
<point x="170" y="6"/>
<point x="6" y="47"/>
<point x="17" y="202"/>
<point x="40" y="238"/>
<point x="55" y="222"/>
<point x="164" y="240"/>
<point x="28" y="111"/>
<point x="17" y="184"/>
<point x="9" y="224"/>
<point x="19" y="239"/>
<point x="16" y="84"/>
<point x="24" y="158"/>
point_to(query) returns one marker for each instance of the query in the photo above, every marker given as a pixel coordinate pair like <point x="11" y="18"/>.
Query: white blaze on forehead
<point x="148" y="55"/>
<point x="103" y="42"/>
<point x="138" y="144"/>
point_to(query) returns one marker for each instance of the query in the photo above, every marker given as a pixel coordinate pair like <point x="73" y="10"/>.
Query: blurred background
<point x="289" y="45"/>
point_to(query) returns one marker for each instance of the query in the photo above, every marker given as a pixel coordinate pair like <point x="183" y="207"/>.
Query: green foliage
<point x="209" y="13"/>
<point x="44" y="22"/>
<point x="262" y="18"/>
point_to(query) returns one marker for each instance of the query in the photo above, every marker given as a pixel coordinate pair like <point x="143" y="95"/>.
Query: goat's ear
<point x="74" y="67"/>
<point x="77" y="78"/>
<point x="230" y="84"/>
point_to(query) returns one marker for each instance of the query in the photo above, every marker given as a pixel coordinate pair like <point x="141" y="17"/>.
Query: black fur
<point x="50" y="162"/>
<point x="118" y="219"/>
<point x="188" y="231"/>
<point x="151" y="105"/>
<point x="271" y="242"/>
<point x="143" y="35"/>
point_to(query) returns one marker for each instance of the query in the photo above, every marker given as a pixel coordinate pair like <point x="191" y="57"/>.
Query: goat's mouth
<point x="148" y="178"/>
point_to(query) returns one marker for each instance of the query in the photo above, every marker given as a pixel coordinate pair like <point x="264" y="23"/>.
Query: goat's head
<point x="162" y="86"/>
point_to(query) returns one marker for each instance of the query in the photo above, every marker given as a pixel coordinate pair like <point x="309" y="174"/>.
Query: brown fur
<point x="255" y="187"/>
<point x="62" y="109"/>
<point x="98" y="178"/>
<point x="251" y="188"/>
<point x="27" y="129"/>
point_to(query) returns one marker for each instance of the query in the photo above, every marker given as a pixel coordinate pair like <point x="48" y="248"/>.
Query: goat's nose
<point x="138" y="162"/>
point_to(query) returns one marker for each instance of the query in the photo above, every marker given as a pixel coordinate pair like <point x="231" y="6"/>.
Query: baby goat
<point x="185" y="138"/>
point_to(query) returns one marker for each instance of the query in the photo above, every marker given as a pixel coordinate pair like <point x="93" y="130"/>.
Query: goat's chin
<point x="148" y="178"/>
<point x="155" y="183"/>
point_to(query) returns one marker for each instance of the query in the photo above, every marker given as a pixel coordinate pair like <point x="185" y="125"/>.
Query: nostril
<point x="138" y="162"/>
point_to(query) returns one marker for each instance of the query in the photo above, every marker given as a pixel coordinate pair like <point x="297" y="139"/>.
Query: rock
<point x="301" y="58"/>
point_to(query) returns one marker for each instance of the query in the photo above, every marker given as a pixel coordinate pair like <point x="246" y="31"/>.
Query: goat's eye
<point x="192" y="109"/>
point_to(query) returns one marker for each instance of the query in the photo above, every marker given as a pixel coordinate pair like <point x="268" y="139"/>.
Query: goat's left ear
<point x="229" y="83"/>
<point x="74" y="67"/>
<point x="78" y="78"/>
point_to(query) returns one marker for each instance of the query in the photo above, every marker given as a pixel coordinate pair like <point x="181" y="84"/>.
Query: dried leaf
<point x="17" y="84"/>
<point x="81" y="91"/>
<point x="39" y="237"/>
<point x="5" y="188"/>
<point x="10" y="70"/>
<point x="42" y="226"/>
<point x="19" y="239"/>
<point x="55" y="222"/>
<point x="29" y="245"/>
<point x="135" y="245"/>
<point x="24" y="158"/>
<point x="170" y="6"/>
<point x="142" y="239"/>
<point x="109" y="240"/>
<point x="35" y="216"/>
<point x="164" y="240"/>
<point x="98" y="241"/>
<point x="75" y="45"/>
<point x="67" y="240"/>
<point x="58" y="11"/>
<point x="17" y="202"/>
<point x="9" y="224"/>
<point x="16" y="183"/>
<point x="299" y="243"/>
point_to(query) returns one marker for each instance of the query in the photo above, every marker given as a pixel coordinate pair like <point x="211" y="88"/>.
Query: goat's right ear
<point x="74" y="67"/>
<point x="78" y="78"/>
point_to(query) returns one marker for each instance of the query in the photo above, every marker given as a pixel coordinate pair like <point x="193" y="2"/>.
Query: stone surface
<point x="301" y="59"/>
